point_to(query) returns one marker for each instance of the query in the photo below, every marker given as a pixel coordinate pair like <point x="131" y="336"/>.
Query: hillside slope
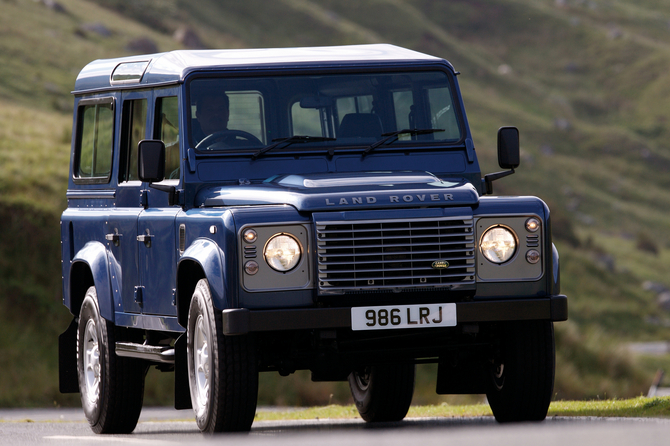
<point x="587" y="84"/>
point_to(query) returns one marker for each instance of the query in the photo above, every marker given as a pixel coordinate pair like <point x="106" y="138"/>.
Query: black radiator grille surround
<point x="395" y="255"/>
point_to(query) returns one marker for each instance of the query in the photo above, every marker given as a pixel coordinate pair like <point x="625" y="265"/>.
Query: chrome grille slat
<point x="471" y="247"/>
<point x="394" y="245"/>
<point x="386" y="229"/>
<point x="357" y="270"/>
<point x="386" y="278"/>
<point x="386" y="237"/>
<point x="363" y="262"/>
<point x="371" y="289"/>
<point x="395" y="254"/>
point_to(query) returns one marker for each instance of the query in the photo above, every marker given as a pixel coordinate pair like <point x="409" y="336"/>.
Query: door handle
<point x="145" y="238"/>
<point x="115" y="238"/>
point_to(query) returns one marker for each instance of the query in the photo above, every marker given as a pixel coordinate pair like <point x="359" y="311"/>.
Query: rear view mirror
<point x="508" y="147"/>
<point x="151" y="163"/>
<point x="316" y="102"/>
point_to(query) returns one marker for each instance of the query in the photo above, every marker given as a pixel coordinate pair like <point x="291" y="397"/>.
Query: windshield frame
<point x="327" y="146"/>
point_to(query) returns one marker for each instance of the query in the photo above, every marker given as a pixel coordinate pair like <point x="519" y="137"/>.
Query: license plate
<point x="403" y="316"/>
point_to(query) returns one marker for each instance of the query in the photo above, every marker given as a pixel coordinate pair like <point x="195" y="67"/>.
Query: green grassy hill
<point x="586" y="82"/>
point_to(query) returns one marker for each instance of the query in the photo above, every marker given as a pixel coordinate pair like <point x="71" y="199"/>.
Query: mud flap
<point x="68" y="380"/>
<point x="182" y="392"/>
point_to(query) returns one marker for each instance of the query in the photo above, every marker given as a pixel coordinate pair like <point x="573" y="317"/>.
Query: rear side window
<point x="95" y="138"/>
<point x="133" y="130"/>
<point x="167" y="130"/>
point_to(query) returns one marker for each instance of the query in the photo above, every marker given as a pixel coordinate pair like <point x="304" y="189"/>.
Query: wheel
<point x="230" y="138"/>
<point x="222" y="370"/>
<point x="111" y="387"/>
<point x="522" y="377"/>
<point x="383" y="393"/>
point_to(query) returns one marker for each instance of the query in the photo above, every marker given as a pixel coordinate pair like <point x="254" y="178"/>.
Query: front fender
<point x="211" y="260"/>
<point x="94" y="256"/>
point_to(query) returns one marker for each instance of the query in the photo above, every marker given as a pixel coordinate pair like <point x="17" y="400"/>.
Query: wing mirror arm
<point x="171" y="190"/>
<point x="491" y="177"/>
<point x="151" y="166"/>
<point x="508" y="156"/>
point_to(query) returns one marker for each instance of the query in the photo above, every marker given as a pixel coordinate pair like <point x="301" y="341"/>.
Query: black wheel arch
<point x="189" y="272"/>
<point x="81" y="279"/>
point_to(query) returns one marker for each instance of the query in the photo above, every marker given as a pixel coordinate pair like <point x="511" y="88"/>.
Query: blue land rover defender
<point x="232" y="212"/>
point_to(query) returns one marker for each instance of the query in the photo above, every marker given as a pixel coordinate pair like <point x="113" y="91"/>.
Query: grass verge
<point x="628" y="408"/>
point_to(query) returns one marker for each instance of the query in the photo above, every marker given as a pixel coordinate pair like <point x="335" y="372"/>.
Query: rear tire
<point x="111" y="387"/>
<point x="522" y="377"/>
<point x="222" y="370"/>
<point x="383" y="393"/>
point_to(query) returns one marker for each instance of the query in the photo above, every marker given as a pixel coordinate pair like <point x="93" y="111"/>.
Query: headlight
<point x="282" y="252"/>
<point x="498" y="244"/>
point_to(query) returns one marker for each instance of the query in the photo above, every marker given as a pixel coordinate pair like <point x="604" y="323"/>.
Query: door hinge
<point x="144" y="198"/>
<point x="139" y="295"/>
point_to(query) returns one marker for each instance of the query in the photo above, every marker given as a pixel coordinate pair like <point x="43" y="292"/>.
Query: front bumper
<point x="239" y="321"/>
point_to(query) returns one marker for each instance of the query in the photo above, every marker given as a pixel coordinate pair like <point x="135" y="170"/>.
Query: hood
<point x="345" y="191"/>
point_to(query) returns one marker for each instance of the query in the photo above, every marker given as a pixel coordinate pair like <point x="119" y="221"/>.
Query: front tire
<point x="111" y="387"/>
<point x="222" y="370"/>
<point x="383" y="393"/>
<point x="522" y="376"/>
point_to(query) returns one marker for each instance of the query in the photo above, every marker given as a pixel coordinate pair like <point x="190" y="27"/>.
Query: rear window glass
<point x="95" y="140"/>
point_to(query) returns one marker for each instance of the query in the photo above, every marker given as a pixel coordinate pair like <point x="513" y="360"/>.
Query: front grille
<point x="395" y="255"/>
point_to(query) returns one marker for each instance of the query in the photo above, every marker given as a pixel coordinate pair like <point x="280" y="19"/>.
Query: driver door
<point x="157" y="234"/>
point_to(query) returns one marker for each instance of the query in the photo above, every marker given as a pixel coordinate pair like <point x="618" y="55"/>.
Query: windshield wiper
<point x="290" y="140"/>
<point x="392" y="136"/>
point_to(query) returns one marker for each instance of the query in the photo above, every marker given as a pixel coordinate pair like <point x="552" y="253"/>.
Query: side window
<point x="442" y="113"/>
<point x="247" y="113"/>
<point x="167" y="130"/>
<point x="306" y="121"/>
<point x="314" y="116"/>
<point x="95" y="136"/>
<point x="402" y="104"/>
<point x="439" y="114"/>
<point x="133" y="130"/>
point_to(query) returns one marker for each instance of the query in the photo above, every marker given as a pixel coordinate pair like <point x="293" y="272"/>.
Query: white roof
<point x="174" y="66"/>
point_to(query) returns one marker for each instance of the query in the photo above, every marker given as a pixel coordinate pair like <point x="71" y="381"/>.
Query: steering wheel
<point x="246" y="138"/>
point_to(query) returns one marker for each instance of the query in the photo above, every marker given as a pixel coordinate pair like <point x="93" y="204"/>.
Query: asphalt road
<point x="56" y="427"/>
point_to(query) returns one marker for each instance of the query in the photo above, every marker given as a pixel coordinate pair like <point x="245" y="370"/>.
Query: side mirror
<point x="151" y="162"/>
<point x="508" y="156"/>
<point x="151" y="166"/>
<point x="508" y="147"/>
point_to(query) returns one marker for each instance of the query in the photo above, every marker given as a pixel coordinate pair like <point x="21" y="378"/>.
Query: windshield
<point x="333" y="110"/>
